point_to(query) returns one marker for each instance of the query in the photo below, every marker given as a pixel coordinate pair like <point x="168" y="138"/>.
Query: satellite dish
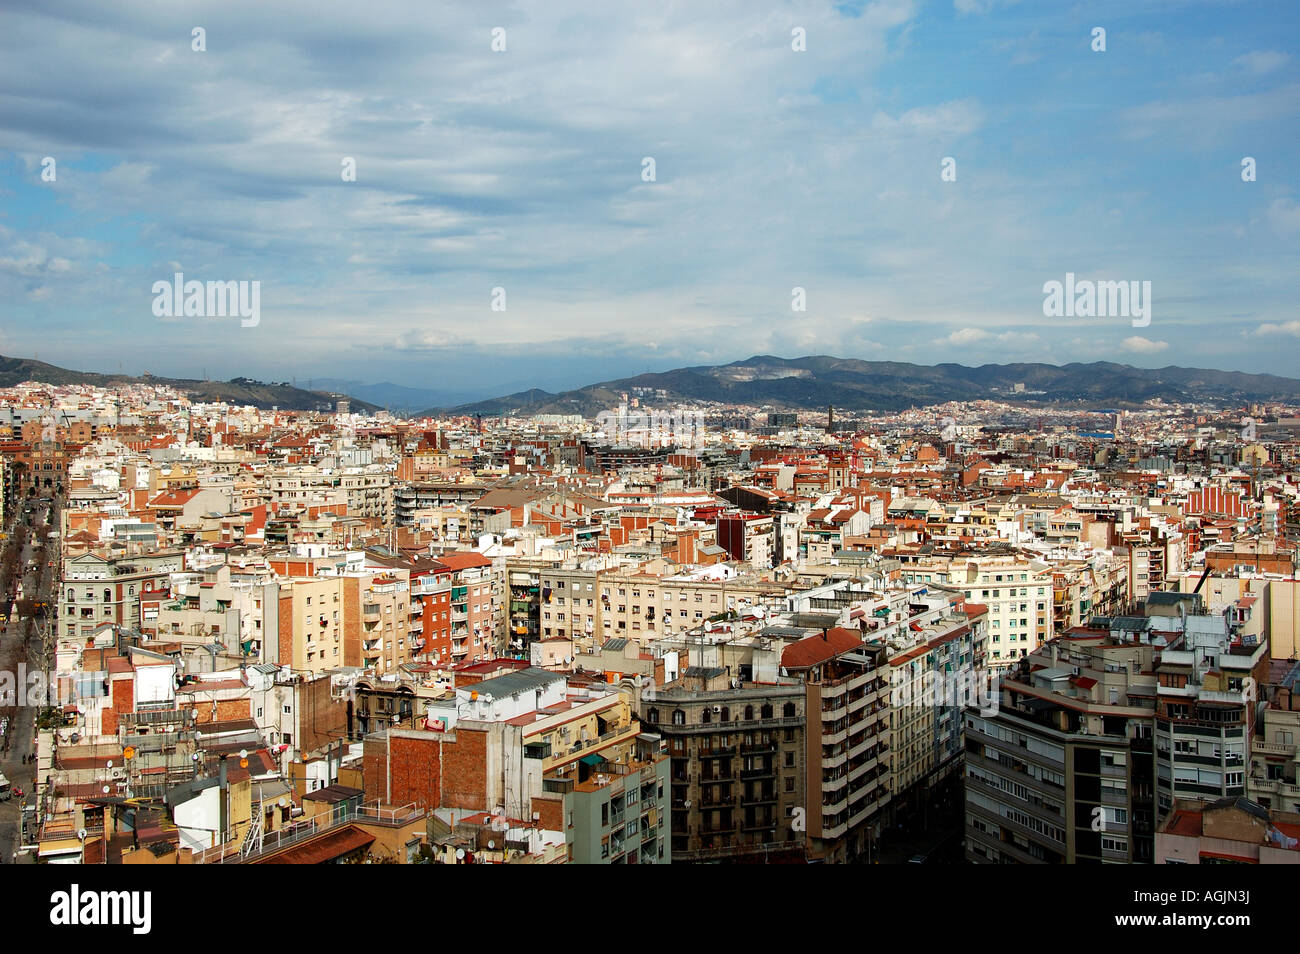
<point x="492" y="844"/>
<point x="460" y="854"/>
<point x="81" y="833"/>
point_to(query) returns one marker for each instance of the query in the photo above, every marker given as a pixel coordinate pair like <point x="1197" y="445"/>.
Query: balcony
<point x="834" y="784"/>
<point x="835" y="805"/>
<point x="836" y="760"/>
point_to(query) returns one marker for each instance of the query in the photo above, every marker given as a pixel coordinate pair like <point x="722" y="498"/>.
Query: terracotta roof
<point x="463" y="561"/>
<point x="812" y="650"/>
<point x="321" y="850"/>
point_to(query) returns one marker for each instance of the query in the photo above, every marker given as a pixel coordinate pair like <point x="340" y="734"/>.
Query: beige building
<point x="1017" y="590"/>
<point x="642" y="604"/>
<point x="309" y="623"/>
<point x="367" y="491"/>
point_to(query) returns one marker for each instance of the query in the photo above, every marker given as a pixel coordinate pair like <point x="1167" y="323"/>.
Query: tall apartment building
<point x="524" y="579"/>
<point x="431" y="606"/>
<point x="477" y="606"/>
<point x="1017" y="589"/>
<point x="1209" y="677"/>
<point x="739" y="771"/>
<point x="306" y="629"/>
<point x="1101" y="732"/>
<point x="377" y="618"/>
<point x="847" y="738"/>
<point x="1063" y="771"/>
<point x="932" y="667"/>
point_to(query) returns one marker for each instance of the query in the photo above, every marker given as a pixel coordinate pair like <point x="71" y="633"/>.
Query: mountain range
<point x="235" y="391"/>
<point x="855" y="385"/>
<point x="808" y="383"/>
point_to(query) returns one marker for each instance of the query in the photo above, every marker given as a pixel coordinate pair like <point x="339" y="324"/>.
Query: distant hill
<point x="235" y="391"/>
<point x="854" y="385"/>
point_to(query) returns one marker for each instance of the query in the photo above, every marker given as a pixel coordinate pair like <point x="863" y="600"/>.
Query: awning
<point x="591" y="759"/>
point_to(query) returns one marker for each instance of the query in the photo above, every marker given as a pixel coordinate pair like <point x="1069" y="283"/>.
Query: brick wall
<point x="285" y="635"/>
<point x="123" y="697"/>
<point x="464" y="764"/>
<point x="416" y="772"/>
<point x="227" y="710"/>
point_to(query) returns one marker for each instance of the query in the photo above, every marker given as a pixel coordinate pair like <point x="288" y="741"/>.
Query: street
<point x="19" y="644"/>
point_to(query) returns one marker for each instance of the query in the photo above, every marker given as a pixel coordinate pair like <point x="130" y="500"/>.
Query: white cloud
<point x="1284" y="214"/>
<point x="1261" y="61"/>
<point x="1139" y="345"/>
<point x="1285" y="328"/>
<point x="967" y="336"/>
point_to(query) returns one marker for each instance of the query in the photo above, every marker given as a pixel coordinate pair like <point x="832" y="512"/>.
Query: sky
<point x="503" y="229"/>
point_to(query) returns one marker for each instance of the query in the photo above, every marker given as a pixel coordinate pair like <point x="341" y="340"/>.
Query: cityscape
<point x="766" y="434"/>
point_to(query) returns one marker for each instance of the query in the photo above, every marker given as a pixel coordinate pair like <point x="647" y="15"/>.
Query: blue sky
<point x="522" y="169"/>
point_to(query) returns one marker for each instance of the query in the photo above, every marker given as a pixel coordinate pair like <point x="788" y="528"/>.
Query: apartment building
<point x="617" y="812"/>
<point x="747" y="538"/>
<point x="377" y="618"/>
<point x="528" y="744"/>
<point x="1088" y="587"/>
<point x="97" y="588"/>
<point x="847" y="735"/>
<point x="368" y="491"/>
<point x="306" y="628"/>
<point x="477" y="606"/>
<point x="644" y="605"/>
<point x="739" y="765"/>
<point x="431" y="606"/>
<point x="453" y="498"/>
<point x="1156" y="554"/>
<point x="1017" y="589"/>
<point x="1101" y="732"/>
<point x="1063" y="770"/>
<point x="524" y="579"/>
<point x="1208" y="678"/>
<point x="932" y="667"/>
<point x="1231" y="830"/>
<point x="1274" y="780"/>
